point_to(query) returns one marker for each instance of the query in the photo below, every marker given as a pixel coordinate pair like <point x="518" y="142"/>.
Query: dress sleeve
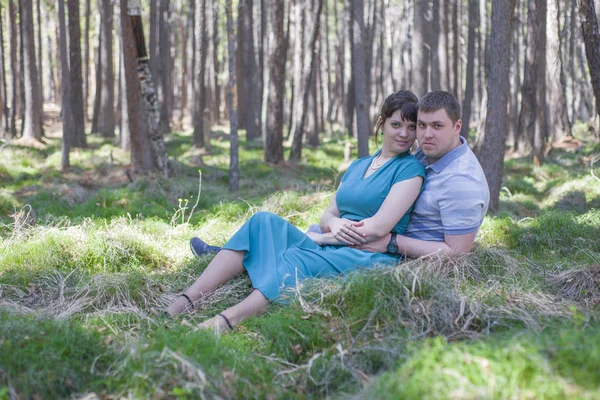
<point x="462" y="204"/>
<point x="412" y="167"/>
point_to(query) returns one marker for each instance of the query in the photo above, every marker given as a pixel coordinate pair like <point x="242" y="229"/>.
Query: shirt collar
<point x="446" y="160"/>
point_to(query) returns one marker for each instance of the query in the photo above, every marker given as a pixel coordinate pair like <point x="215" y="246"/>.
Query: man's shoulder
<point x="465" y="166"/>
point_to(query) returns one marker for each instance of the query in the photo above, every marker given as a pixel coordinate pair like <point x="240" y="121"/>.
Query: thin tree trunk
<point x="491" y="154"/>
<point x="5" y="112"/>
<point x="200" y="123"/>
<point x="466" y="108"/>
<point x="296" y="151"/>
<point x="215" y="58"/>
<point x="65" y="88"/>
<point x="141" y="153"/>
<point x="420" y="76"/>
<point x="149" y="97"/>
<point x="274" y="133"/>
<point x="541" y="128"/>
<point x="234" y="168"/>
<point x="106" y="118"/>
<point x="15" y="73"/>
<point x="163" y="65"/>
<point x="41" y="66"/>
<point x="560" y="125"/>
<point x="359" y="76"/>
<point x="76" y="97"/>
<point x="32" y="125"/>
<point x="98" y="84"/>
<point x="86" y="59"/>
<point x="591" y="38"/>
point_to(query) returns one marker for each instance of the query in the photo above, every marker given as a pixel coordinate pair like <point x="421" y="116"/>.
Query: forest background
<point x="110" y="108"/>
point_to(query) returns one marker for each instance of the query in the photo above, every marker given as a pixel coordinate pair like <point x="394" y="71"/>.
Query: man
<point x="448" y="213"/>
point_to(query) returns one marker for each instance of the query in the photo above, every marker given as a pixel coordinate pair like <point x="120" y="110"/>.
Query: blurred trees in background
<point x="304" y="69"/>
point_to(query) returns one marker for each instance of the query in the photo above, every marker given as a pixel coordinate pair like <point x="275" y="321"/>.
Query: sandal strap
<point x="191" y="305"/>
<point x="226" y="321"/>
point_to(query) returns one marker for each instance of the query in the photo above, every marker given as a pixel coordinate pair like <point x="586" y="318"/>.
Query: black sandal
<point x="226" y="321"/>
<point x="191" y="303"/>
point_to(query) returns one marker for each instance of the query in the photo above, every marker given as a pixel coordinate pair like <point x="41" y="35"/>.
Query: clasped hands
<point x="342" y="231"/>
<point x="349" y="233"/>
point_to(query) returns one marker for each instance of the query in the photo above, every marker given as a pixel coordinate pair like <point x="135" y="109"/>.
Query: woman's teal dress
<point x="278" y="255"/>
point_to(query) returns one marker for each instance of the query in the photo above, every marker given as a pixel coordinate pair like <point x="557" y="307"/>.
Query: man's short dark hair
<point x="440" y="99"/>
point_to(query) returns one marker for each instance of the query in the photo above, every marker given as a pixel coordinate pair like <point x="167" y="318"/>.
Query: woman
<point x="374" y="198"/>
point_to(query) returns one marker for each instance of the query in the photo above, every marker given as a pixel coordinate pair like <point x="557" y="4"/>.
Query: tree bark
<point x="163" y="77"/>
<point x="79" y="139"/>
<point x="5" y="112"/>
<point x="359" y="76"/>
<point x="276" y="92"/>
<point x="98" y="83"/>
<point x="141" y="153"/>
<point x="65" y="88"/>
<point x="41" y="64"/>
<point x="201" y="137"/>
<point x="296" y="151"/>
<point x="591" y="38"/>
<point x="470" y="84"/>
<point x="420" y="76"/>
<point x="106" y="118"/>
<point x="491" y="154"/>
<point x="86" y="59"/>
<point x="14" y="69"/>
<point x="32" y="125"/>
<point x="249" y="63"/>
<point x="234" y="168"/>
<point x="148" y="90"/>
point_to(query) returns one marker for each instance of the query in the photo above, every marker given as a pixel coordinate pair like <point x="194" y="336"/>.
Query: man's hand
<point x="376" y="246"/>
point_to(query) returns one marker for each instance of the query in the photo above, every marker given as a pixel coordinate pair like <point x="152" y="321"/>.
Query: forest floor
<point x="88" y="261"/>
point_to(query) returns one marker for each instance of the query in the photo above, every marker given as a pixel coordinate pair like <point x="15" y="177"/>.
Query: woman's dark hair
<point x="403" y="100"/>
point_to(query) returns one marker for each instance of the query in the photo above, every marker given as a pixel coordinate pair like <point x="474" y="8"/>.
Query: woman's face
<point x="398" y="134"/>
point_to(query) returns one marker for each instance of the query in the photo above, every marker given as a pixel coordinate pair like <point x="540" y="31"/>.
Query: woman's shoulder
<point x="410" y="164"/>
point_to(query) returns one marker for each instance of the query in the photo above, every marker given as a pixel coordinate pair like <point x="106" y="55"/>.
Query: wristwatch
<point x="392" y="245"/>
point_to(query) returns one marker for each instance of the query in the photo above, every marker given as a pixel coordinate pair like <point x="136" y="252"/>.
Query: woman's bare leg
<point x="226" y="265"/>
<point x="255" y="304"/>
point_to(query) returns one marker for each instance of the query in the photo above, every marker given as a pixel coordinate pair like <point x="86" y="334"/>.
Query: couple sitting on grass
<point x="389" y="205"/>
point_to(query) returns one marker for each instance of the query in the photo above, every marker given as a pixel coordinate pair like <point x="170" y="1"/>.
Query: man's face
<point x="437" y="134"/>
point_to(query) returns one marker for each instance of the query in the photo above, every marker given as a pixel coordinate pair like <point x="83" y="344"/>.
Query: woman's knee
<point x="263" y="216"/>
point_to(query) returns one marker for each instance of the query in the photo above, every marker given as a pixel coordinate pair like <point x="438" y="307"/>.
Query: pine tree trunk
<point x="249" y="63"/>
<point x="106" y="117"/>
<point x="491" y="154"/>
<point x="420" y="76"/>
<point x="359" y="76"/>
<point x="163" y="77"/>
<point x="5" y="112"/>
<point x="86" y="59"/>
<point x="32" y="125"/>
<point x="296" y="151"/>
<point x="591" y="38"/>
<point x="65" y="88"/>
<point x="470" y="84"/>
<point x="148" y="90"/>
<point x="141" y="153"/>
<point x="41" y="64"/>
<point x="276" y="92"/>
<point x="532" y="112"/>
<point x="14" y="69"/>
<point x="76" y="97"/>
<point x="200" y="123"/>
<point x="541" y="128"/>
<point x="234" y="168"/>
<point x="98" y="83"/>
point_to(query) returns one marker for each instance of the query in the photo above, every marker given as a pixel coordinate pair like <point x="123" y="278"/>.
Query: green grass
<point x="81" y="292"/>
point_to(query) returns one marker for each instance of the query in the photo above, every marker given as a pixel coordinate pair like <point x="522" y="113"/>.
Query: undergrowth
<point x="83" y="285"/>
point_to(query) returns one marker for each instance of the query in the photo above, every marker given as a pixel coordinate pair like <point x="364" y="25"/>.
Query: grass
<point x="81" y="290"/>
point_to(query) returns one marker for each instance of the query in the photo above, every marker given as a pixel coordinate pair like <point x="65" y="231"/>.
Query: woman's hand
<point x="316" y="237"/>
<point x="344" y="230"/>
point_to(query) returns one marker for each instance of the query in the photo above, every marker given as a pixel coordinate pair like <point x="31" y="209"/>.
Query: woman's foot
<point x="219" y="324"/>
<point x="181" y="304"/>
<point x="200" y="247"/>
